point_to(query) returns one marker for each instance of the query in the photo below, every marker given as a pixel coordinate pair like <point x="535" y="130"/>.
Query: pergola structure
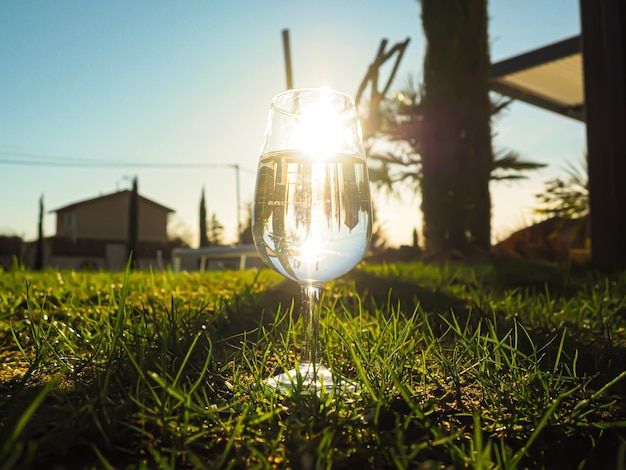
<point x="550" y="77"/>
<point x="584" y="78"/>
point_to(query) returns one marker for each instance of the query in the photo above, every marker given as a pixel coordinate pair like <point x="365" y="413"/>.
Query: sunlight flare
<point x="321" y="130"/>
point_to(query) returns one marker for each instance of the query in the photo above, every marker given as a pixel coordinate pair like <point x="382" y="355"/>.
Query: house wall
<point x="107" y="219"/>
<point x="10" y="251"/>
<point x="96" y="254"/>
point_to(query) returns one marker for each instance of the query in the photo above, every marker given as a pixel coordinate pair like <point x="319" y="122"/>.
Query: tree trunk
<point x="456" y="136"/>
<point x="477" y="112"/>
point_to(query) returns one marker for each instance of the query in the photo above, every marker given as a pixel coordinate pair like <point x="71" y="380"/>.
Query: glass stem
<point x="311" y="295"/>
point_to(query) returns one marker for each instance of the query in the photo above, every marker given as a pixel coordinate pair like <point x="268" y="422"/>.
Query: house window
<point x="70" y="223"/>
<point x="69" y="220"/>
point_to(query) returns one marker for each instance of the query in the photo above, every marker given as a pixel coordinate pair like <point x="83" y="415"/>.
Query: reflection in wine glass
<point x="312" y="213"/>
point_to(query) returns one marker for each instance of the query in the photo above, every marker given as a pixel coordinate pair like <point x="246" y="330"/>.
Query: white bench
<point x="212" y="253"/>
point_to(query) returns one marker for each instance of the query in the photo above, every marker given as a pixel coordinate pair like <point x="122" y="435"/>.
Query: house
<point x="10" y="251"/>
<point x="106" y="218"/>
<point x="93" y="233"/>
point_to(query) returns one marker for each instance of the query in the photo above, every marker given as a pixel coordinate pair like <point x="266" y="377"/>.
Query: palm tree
<point x="396" y="150"/>
<point x="455" y="131"/>
<point x="566" y="197"/>
<point x="436" y="137"/>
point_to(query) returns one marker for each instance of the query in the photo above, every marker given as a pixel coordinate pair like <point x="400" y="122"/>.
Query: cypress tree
<point x="133" y="225"/>
<point x="204" y="239"/>
<point x="38" y="265"/>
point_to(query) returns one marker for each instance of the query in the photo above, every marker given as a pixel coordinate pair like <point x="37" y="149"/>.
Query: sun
<point x="321" y="130"/>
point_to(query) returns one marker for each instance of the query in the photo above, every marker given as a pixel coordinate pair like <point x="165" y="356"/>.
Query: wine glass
<point x="311" y="218"/>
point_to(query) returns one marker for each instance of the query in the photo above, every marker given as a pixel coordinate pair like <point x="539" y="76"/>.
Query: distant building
<point x="94" y="234"/>
<point x="10" y="251"/>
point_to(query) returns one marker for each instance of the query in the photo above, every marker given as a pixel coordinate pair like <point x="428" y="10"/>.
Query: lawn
<point x="490" y="366"/>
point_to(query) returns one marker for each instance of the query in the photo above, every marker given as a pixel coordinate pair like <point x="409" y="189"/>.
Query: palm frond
<point x="500" y="104"/>
<point x="507" y="177"/>
<point x="512" y="161"/>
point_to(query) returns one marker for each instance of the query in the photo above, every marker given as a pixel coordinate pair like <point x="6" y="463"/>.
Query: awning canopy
<point x="550" y="77"/>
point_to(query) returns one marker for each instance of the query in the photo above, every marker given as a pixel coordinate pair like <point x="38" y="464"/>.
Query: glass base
<point x="307" y="379"/>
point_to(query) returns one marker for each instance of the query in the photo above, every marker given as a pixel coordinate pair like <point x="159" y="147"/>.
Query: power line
<point x="29" y="159"/>
<point x="25" y="159"/>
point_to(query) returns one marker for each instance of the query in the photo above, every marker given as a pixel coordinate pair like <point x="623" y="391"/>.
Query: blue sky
<point x="170" y="83"/>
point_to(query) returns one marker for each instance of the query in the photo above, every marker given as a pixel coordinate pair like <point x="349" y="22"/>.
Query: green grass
<point x="478" y="367"/>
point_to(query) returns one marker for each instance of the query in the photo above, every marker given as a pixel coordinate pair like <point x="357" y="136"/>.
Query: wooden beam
<point x="604" y="65"/>
<point x="516" y="92"/>
<point x="551" y="52"/>
<point x="287" y="51"/>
